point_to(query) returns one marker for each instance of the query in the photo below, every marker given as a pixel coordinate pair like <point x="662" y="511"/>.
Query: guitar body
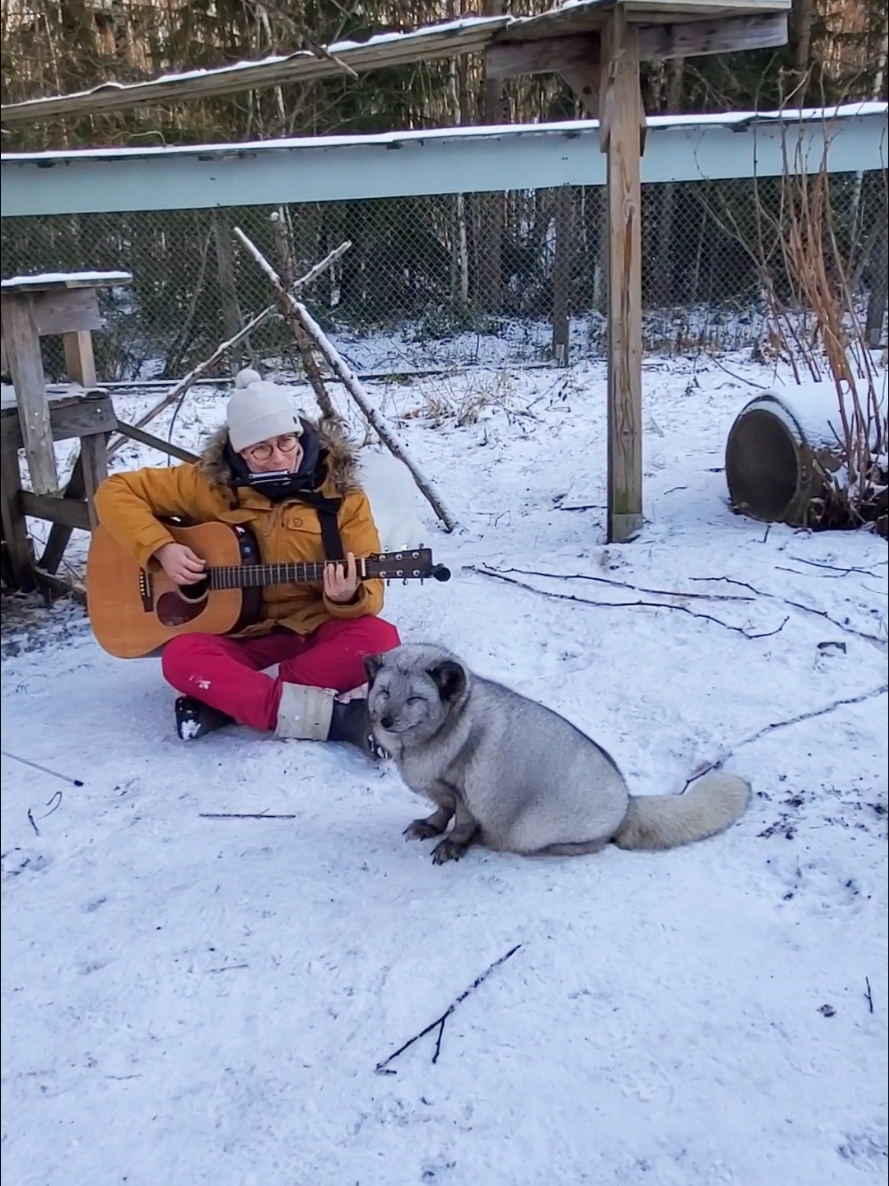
<point x="134" y="612"/>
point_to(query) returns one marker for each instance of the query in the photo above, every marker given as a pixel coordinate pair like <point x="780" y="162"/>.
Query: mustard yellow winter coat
<point x="129" y="506"/>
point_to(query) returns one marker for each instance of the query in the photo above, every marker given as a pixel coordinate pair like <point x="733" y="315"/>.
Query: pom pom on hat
<point x="258" y="411"/>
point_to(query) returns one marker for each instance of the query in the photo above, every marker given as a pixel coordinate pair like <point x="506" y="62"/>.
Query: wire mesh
<point x="486" y="278"/>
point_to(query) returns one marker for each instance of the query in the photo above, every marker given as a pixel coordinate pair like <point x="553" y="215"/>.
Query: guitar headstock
<point x="412" y="564"/>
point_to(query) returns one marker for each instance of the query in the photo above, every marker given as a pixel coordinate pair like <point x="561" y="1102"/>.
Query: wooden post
<point x="94" y="455"/>
<point x="59" y="535"/>
<point x="26" y="368"/>
<point x="621" y="127"/>
<point x="17" y="543"/>
<point x="79" y="361"/>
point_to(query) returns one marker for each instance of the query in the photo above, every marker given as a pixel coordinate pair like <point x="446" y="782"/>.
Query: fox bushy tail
<point x="665" y="821"/>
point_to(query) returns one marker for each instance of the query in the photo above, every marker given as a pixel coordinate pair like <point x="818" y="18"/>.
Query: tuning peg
<point x="404" y="582"/>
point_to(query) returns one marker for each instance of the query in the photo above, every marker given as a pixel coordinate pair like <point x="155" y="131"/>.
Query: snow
<point x="48" y="279"/>
<point x="813" y="409"/>
<point x="190" y="1000"/>
<point x="337" y="47"/>
<point x="572" y="127"/>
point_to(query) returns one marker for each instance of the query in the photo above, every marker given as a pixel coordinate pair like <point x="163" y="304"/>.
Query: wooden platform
<point x="90" y="417"/>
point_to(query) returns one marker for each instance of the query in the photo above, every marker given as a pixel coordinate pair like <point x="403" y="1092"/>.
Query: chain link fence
<point x="437" y="282"/>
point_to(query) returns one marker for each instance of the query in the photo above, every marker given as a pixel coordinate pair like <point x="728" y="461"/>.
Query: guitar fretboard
<point x="245" y="576"/>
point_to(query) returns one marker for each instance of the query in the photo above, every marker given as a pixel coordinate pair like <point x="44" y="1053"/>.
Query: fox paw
<point x="421" y="829"/>
<point x="448" y="851"/>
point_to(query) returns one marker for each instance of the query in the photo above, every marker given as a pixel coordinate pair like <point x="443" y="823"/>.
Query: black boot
<point x="194" y="718"/>
<point x="351" y="723"/>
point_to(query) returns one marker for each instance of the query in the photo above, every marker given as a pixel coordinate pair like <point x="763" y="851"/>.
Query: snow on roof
<point x="66" y="280"/>
<point x="465" y="35"/>
<point x="733" y="119"/>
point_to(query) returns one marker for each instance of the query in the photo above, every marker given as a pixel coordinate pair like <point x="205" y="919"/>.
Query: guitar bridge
<point x="145" y="591"/>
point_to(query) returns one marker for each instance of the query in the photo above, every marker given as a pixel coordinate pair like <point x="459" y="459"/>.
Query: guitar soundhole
<point x="173" y="609"/>
<point x="196" y="592"/>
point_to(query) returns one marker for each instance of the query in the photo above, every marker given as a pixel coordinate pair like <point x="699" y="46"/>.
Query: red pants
<point x="226" y="673"/>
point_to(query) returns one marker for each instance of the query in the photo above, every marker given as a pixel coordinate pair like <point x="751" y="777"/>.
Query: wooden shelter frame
<point x="597" y="47"/>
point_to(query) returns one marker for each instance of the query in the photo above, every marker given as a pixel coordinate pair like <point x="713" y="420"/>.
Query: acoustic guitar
<point x="134" y="611"/>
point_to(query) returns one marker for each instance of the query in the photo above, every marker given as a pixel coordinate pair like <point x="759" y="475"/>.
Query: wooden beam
<point x="719" y="35"/>
<point x="68" y="511"/>
<point x="26" y="369"/>
<point x="586" y="82"/>
<point x="79" y="361"/>
<point x="715" y="35"/>
<point x="78" y="417"/>
<point x="62" y="309"/>
<point x="54" y="587"/>
<point x="504" y="59"/>
<point x="146" y="438"/>
<point x="622" y="116"/>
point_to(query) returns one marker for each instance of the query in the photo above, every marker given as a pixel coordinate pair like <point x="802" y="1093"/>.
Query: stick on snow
<point x="382" y="1068"/>
<point x="75" y="782"/>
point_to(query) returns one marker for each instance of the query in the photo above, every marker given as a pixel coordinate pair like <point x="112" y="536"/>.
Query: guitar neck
<point x="245" y="576"/>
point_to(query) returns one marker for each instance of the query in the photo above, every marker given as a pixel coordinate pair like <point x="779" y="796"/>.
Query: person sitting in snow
<point x="294" y="483"/>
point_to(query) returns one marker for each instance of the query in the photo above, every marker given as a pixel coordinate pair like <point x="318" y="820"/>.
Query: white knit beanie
<point x="258" y="411"/>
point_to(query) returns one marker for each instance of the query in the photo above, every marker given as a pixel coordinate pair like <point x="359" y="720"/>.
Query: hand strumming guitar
<point x="181" y="564"/>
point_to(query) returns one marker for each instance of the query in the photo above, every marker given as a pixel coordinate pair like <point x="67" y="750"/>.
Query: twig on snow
<point x="31" y="821"/>
<point x="53" y="804"/>
<point x="585" y="576"/>
<point x="241" y="815"/>
<point x="501" y="576"/>
<point x="36" y="765"/>
<point x="836" y="567"/>
<point x="382" y="1068"/>
<point x="869" y="996"/>
<point x="803" y="716"/>
<point x="746" y="381"/>
<point x="808" y="609"/>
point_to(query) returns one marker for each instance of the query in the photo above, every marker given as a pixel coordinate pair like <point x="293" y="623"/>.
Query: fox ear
<point x="372" y="664"/>
<point x="450" y="679"/>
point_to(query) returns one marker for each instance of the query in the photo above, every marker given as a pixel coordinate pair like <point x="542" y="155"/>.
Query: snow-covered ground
<point x="190" y="1000"/>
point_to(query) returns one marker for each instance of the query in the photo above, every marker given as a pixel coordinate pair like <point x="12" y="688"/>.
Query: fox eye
<point x="416" y="699"/>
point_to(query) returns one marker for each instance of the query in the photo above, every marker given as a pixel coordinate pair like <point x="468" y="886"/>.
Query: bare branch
<point x="382" y="1068"/>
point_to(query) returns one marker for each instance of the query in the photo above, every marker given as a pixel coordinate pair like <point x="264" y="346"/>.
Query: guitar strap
<point x="327" y="509"/>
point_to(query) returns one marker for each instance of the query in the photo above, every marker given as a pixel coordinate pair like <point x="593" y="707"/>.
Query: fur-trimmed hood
<point x="337" y="450"/>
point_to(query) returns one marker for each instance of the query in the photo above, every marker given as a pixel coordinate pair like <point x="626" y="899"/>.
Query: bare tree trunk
<point x="801" y="18"/>
<point x="225" y="264"/>
<point x="662" y="279"/>
<point x="600" y="287"/>
<point x="562" y="274"/>
<point x="460" y="237"/>
<point x="879" y="291"/>
<point x="303" y="341"/>
<point x="490" y="206"/>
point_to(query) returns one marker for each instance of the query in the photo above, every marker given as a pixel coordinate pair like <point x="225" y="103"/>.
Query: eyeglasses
<point x="264" y="450"/>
